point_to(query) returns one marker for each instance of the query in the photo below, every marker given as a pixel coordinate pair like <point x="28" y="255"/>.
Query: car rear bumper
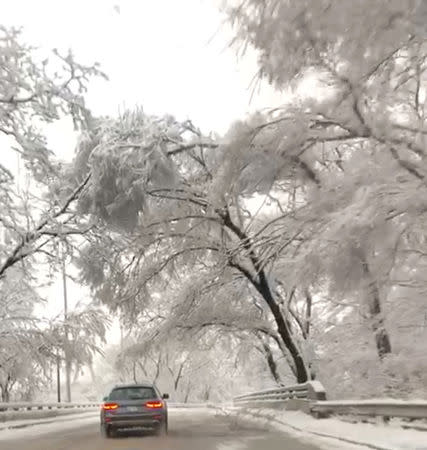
<point x="148" y="423"/>
<point x="129" y="423"/>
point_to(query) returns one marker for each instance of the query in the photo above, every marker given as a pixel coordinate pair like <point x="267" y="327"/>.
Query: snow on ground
<point x="34" y="427"/>
<point x="259" y="418"/>
<point x="36" y="414"/>
<point x="328" y="434"/>
<point x="376" y="436"/>
<point x="37" y="427"/>
<point x="382" y="401"/>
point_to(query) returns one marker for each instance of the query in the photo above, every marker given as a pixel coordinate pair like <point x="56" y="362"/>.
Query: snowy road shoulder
<point x="16" y="429"/>
<point x="345" y="435"/>
<point x="24" y="428"/>
<point x="328" y="434"/>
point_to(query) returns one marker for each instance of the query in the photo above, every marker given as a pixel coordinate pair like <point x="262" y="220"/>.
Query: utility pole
<point x="66" y="342"/>
<point x="58" y="377"/>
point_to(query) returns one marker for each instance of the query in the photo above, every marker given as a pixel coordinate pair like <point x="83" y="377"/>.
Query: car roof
<point x="133" y="385"/>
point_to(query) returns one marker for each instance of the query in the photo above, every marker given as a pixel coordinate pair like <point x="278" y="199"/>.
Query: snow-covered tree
<point x="23" y="368"/>
<point x="310" y="214"/>
<point x="36" y="90"/>
<point x="183" y="201"/>
<point x="360" y="139"/>
<point x="37" y="200"/>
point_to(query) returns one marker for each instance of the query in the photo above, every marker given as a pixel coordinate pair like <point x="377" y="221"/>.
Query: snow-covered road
<point x="195" y="429"/>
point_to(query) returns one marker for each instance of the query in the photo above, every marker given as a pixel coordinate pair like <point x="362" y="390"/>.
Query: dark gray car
<point x="134" y="406"/>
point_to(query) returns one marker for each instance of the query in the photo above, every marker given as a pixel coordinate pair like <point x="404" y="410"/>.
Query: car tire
<point x="107" y="431"/>
<point x="162" y="429"/>
<point x="104" y="432"/>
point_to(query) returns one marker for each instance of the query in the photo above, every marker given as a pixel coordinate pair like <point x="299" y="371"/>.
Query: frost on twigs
<point x="300" y="232"/>
<point x="130" y="156"/>
<point x="292" y="37"/>
<point x="36" y="90"/>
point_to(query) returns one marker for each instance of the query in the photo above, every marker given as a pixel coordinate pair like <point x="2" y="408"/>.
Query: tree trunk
<point x="270" y="360"/>
<point x="156" y="376"/>
<point x="143" y="370"/>
<point x="309" y="305"/>
<point x="207" y="393"/>
<point x="5" y="394"/>
<point x="283" y="330"/>
<point x="134" y="372"/>
<point x="260" y="282"/>
<point x="187" y="393"/>
<point x="76" y="375"/>
<point x="92" y="373"/>
<point x="382" y="340"/>
<point x="178" y="377"/>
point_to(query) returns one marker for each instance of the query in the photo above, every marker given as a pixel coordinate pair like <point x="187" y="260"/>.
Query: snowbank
<point x="374" y="436"/>
<point x="9" y="416"/>
<point x="33" y="427"/>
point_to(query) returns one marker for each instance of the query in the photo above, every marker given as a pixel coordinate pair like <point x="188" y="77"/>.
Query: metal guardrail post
<point x="315" y="391"/>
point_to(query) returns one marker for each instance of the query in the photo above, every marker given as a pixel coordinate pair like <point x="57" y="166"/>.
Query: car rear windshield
<point x="133" y="393"/>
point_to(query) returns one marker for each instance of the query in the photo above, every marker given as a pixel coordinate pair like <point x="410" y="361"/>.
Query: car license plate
<point x="132" y="408"/>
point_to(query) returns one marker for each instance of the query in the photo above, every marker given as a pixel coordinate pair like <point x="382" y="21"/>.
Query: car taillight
<point x="154" y="405"/>
<point x="110" y="406"/>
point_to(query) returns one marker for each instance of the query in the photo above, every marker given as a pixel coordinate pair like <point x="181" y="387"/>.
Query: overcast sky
<point x="170" y="56"/>
<point x="167" y="55"/>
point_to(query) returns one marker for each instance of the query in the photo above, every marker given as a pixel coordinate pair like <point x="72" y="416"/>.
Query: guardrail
<point x="371" y="408"/>
<point x="28" y="406"/>
<point x="29" y="410"/>
<point x="297" y="396"/>
<point x="310" y="398"/>
<point x="38" y="410"/>
<point x="189" y="405"/>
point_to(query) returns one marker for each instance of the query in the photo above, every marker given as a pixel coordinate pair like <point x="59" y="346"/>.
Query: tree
<point x="86" y="328"/>
<point x="192" y="367"/>
<point x="133" y="164"/>
<point x="33" y="94"/>
<point x="22" y="366"/>
<point x="38" y="200"/>
<point x="356" y="82"/>
<point x="362" y="137"/>
<point x="314" y="210"/>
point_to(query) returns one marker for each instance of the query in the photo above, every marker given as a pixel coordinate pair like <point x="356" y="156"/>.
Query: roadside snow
<point x="33" y="427"/>
<point x="375" y="436"/>
<point x="376" y="401"/>
<point x="24" y="428"/>
<point x="37" y="414"/>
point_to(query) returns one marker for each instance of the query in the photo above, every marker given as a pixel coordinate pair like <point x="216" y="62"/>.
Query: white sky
<point x="170" y="56"/>
<point x="167" y="55"/>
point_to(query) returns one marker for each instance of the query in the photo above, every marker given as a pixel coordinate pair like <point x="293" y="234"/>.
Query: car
<point x="134" y="406"/>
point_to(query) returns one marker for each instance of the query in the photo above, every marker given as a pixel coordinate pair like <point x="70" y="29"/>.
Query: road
<point x="188" y="430"/>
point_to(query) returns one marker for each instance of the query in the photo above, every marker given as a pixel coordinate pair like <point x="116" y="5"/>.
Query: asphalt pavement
<point x="188" y="430"/>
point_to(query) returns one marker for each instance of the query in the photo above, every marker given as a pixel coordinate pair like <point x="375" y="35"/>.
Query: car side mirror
<point x="165" y="396"/>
